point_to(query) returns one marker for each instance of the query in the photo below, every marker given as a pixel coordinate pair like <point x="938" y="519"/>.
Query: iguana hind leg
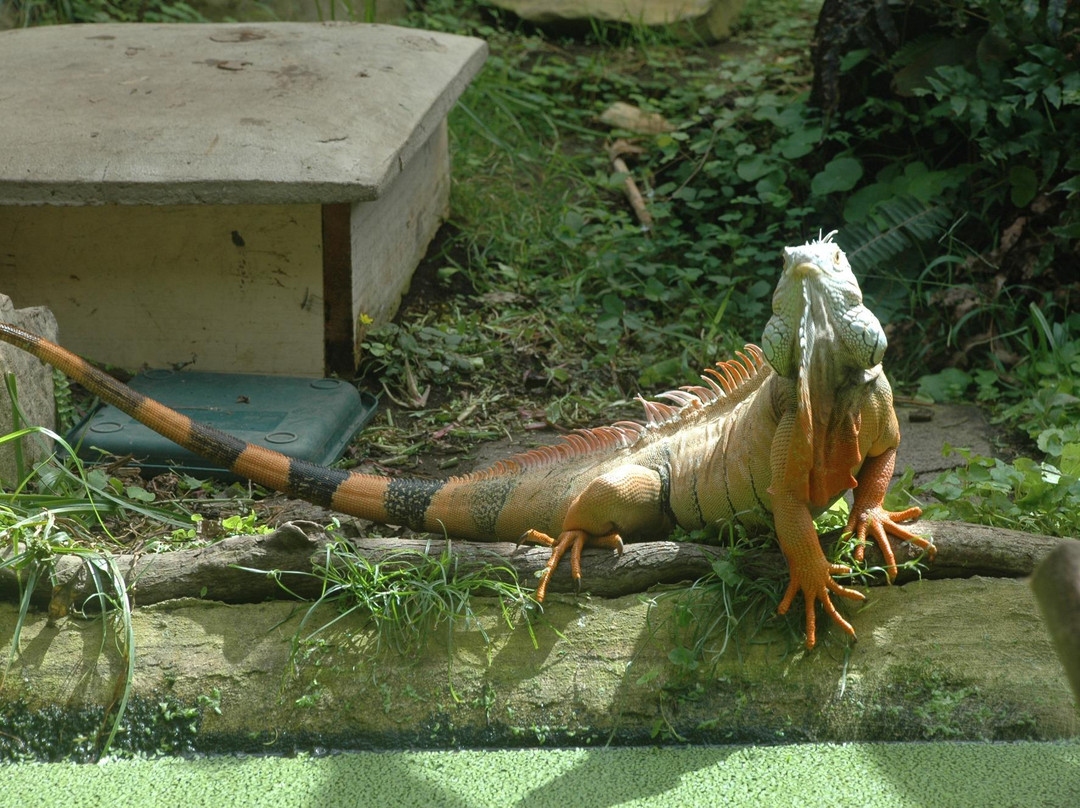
<point x="575" y="540"/>
<point x="626" y="500"/>
<point x="868" y="515"/>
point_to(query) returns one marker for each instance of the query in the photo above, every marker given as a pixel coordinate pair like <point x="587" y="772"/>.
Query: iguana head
<point x="818" y="303"/>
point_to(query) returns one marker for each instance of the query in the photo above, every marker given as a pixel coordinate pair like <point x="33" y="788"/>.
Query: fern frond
<point x="894" y="226"/>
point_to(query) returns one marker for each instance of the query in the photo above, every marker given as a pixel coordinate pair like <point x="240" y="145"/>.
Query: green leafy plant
<point x="415" y="355"/>
<point x="1038" y="396"/>
<point x="1024" y="495"/>
<point x="881" y="232"/>
<point x="722" y="609"/>
<point x="1045" y="398"/>
<point x="973" y="143"/>
<point x="245" y="525"/>
<point x="59" y="508"/>
<point x="409" y="593"/>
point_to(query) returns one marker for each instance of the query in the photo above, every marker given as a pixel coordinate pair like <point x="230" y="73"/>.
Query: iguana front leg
<point x="625" y="500"/>
<point x="811" y="572"/>
<point x="868" y="515"/>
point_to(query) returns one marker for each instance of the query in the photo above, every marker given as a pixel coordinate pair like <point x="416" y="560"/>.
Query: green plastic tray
<point x="310" y="419"/>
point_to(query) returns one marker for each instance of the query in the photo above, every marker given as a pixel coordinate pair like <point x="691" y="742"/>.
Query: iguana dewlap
<point x="783" y="429"/>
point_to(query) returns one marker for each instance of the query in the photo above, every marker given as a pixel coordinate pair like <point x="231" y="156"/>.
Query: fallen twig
<point x="633" y="195"/>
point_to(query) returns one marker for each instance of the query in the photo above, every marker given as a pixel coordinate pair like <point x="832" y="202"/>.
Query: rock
<point x="1057" y="588"/>
<point x="709" y="19"/>
<point x="34" y="388"/>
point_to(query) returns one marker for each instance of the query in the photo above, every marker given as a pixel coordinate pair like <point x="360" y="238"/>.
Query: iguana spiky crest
<point x="728" y="383"/>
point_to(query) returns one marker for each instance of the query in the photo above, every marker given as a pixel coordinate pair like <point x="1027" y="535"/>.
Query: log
<point x="965" y="550"/>
<point x="229" y="571"/>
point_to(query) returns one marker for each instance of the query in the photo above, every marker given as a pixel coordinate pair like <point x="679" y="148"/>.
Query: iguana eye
<point x="836" y="257"/>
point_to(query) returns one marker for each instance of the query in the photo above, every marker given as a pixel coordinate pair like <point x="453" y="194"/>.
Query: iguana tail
<point x="362" y="495"/>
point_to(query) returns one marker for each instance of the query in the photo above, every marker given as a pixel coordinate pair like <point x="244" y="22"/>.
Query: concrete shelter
<point x="233" y="197"/>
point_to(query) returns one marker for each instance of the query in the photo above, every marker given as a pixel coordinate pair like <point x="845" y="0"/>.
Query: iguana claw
<point x="879" y="522"/>
<point x="575" y="541"/>
<point x="815" y="587"/>
<point x="815" y="581"/>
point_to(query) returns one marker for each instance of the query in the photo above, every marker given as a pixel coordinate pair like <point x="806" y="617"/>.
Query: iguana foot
<point x="879" y="522"/>
<point x="575" y="540"/>
<point x="815" y="585"/>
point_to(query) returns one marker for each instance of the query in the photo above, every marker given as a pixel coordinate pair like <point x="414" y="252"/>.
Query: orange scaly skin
<point x="811" y="572"/>
<point x="839" y="423"/>
<point x="784" y="429"/>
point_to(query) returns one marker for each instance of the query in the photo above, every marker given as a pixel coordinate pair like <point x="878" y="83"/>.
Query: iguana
<point x="785" y="429"/>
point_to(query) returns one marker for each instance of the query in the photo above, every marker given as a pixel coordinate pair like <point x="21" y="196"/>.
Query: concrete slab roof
<point x="220" y="113"/>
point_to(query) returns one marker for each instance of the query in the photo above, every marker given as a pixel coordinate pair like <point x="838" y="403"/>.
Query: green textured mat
<point x="943" y="775"/>
<point x="310" y="419"/>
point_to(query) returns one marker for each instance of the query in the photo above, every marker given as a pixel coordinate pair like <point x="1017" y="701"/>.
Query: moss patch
<point x="928" y="704"/>
<point x="162" y="726"/>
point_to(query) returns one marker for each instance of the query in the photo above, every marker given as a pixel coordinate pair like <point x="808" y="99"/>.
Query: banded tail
<point x="360" y="495"/>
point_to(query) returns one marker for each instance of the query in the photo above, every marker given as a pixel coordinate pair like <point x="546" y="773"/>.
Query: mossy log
<point x="224" y="571"/>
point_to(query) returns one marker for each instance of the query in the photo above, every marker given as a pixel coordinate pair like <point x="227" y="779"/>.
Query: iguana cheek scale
<point x="783" y="429"/>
